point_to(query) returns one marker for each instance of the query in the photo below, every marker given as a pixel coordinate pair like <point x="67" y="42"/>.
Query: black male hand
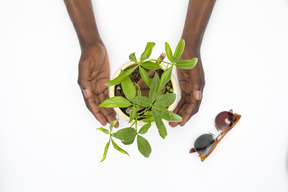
<point x="94" y="72"/>
<point x="191" y="83"/>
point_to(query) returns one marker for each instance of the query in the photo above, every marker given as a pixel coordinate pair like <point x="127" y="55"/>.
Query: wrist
<point x="192" y="50"/>
<point x="93" y="48"/>
<point x="192" y="43"/>
<point x="90" y="42"/>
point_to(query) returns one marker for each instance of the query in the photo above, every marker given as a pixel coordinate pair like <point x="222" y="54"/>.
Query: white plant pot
<point x="112" y="91"/>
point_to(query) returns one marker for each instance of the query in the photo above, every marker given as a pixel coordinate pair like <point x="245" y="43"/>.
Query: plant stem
<point x="162" y="61"/>
<point x="133" y="123"/>
<point x="136" y="124"/>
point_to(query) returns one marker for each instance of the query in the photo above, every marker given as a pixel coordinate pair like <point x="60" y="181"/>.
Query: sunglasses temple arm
<point x="221" y="136"/>
<point x="192" y="150"/>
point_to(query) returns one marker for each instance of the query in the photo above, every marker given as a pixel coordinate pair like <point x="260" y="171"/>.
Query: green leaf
<point x="159" y="123"/>
<point x="166" y="100"/>
<point x="145" y="76"/>
<point x="175" y="118"/>
<point x="148" y="119"/>
<point x="172" y="117"/>
<point x="166" y="114"/>
<point x="144" y="128"/>
<point x="105" y="151"/>
<point x="141" y="100"/>
<point x="143" y="146"/>
<point x="187" y="64"/>
<point x="116" y="101"/>
<point x="129" y="142"/>
<point x="125" y="135"/>
<point x="147" y="52"/>
<point x="121" y="77"/>
<point x="169" y="52"/>
<point x="118" y="148"/>
<point x="113" y="123"/>
<point x="149" y="113"/>
<point x="179" y="50"/>
<point x="139" y="90"/>
<point x="160" y="110"/>
<point x="128" y="88"/>
<point x="166" y="76"/>
<point x="133" y="112"/>
<point x="150" y="65"/>
<point x="132" y="57"/>
<point x="154" y="92"/>
<point x="103" y="130"/>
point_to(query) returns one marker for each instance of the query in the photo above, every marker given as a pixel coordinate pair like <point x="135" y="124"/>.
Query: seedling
<point x="150" y="108"/>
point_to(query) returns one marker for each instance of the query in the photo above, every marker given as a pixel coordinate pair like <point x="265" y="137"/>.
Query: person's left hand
<point x="191" y="83"/>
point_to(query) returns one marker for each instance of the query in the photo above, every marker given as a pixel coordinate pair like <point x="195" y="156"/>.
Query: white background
<point x="48" y="139"/>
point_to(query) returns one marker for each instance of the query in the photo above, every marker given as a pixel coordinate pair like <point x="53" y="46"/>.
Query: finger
<point x="191" y="109"/>
<point x="189" y="112"/>
<point x="109" y="116"/>
<point x="83" y="77"/>
<point x="180" y="104"/>
<point x="198" y="89"/>
<point x="91" y="105"/>
<point x="173" y="124"/>
<point x="109" y="113"/>
<point x="97" y="113"/>
<point x="89" y="98"/>
<point x="183" y="108"/>
<point x="197" y="94"/>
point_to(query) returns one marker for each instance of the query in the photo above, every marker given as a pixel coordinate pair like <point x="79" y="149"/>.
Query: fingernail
<point x="171" y="124"/>
<point x="198" y="95"/>
<point x="86" y="93"/>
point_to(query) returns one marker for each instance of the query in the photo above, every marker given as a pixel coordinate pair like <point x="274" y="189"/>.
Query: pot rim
<point x="112" y="91"/>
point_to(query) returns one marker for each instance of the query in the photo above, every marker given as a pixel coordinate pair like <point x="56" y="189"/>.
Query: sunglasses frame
<point x="218" y="138"/>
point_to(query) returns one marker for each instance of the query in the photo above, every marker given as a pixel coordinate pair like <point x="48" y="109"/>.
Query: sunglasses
<point x="205" y="144"/>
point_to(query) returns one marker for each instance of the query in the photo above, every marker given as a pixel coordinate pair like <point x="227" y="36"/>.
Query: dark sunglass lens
<point x="225" y="120"/>
<point x="204" y="144"/>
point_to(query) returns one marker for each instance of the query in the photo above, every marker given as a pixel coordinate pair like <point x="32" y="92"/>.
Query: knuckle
<point x="84" y="62"/>
<point x="200" y="82"/>
<point x="203" y="81"/>
<point x="81" y="82"/>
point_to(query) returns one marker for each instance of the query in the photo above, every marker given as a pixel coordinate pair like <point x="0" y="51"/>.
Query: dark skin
<point x="192" y="81"/>
<point x="94" y="69"/>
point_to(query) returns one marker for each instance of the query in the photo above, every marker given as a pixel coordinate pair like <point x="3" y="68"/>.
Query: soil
<point x="135" y="77"/>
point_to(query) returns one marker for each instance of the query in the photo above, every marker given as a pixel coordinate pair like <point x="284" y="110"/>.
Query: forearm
<point x="82" y="17"/>
<point x="197" y="18"/>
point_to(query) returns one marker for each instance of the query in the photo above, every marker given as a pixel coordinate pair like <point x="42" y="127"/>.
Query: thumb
<point x="197" y="91"/>
<point x="83" y="80"/>
<point x="197" y="94"/>
<point x="85" y="87"/>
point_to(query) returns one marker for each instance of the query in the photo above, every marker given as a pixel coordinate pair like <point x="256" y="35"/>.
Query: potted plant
<point x="144" y="90"/>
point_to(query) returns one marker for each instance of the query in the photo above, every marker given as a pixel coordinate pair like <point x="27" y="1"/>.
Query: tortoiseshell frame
<point x="218" y="138"/>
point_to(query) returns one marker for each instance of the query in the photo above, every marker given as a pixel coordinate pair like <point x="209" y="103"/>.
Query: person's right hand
<point x="94" y="72"/>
